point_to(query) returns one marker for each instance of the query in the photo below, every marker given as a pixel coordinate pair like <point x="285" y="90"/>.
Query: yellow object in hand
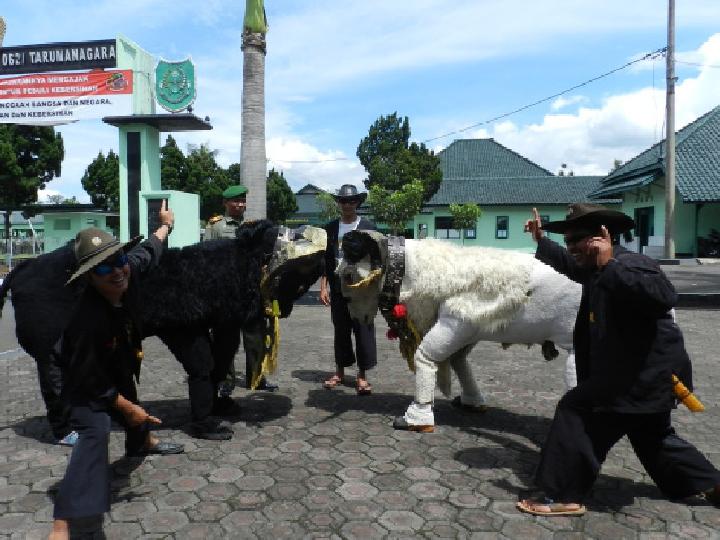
<point x="686" y="396"/>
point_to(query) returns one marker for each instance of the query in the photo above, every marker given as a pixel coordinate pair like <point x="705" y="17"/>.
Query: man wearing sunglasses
<point x="348" y="199"/>
<point x="100" y="355"/>
<point x="627" y="349"/>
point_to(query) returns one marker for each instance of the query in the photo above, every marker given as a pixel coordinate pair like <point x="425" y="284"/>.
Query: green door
<point x="644" y="225"/>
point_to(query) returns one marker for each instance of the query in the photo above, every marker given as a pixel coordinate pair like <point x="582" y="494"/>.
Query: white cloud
<point x="321" y="48"/>
<point x="43" y="194"/>
<point x="562" y="102"/>
<point x="623" y="126"/>
<point x="304" y="164"/>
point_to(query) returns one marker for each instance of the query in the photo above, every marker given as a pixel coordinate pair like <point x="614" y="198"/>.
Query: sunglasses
<point x="346" y="200"/>
<point x="104" y="269"/>
<point x="577" y="237"/>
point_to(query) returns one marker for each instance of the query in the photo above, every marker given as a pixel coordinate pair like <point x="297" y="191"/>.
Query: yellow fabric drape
<point x="272" y="343"/>
<point x="686" y="397"/>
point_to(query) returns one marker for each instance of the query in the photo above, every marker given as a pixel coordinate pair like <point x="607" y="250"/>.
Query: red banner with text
<point x="59" y="98"/>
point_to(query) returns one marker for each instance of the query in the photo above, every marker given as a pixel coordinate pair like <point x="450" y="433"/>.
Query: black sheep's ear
<point x="250" y="234"/>
<point x="354" y="246"/>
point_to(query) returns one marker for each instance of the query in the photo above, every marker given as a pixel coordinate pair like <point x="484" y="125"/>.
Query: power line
<point x="651" y="55"/>
<point x="697" y="64"/>
<point x="308" y="161"/>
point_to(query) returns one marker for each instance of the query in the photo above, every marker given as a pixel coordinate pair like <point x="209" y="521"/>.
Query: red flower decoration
<point x="399" y="311"/>
<point x="392" y="334"/>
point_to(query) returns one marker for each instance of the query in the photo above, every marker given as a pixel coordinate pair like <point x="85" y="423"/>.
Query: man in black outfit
<point x="100" y="354"/>
<point x="348" y="200"/>
<point x="627" y="348"/>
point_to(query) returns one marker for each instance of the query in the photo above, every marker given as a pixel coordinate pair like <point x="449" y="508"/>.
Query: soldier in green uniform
<point x="227" y="340"/>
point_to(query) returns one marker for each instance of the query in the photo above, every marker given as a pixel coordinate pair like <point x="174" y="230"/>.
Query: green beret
<point x="234" y="191"/>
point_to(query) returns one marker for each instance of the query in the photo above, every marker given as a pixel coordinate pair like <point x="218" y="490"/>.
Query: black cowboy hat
<point x="586" y="216"/>
<point x="348" y="191"/>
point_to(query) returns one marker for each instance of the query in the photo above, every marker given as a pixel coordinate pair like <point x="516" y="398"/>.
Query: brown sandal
<point x="333" y="381"/>
<point x="553" y="509"/>
<point x="363" y="387"/>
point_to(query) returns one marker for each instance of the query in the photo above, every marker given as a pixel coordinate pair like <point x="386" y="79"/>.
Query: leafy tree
<point x="396" y="208"/>
<point x="464" y="216"/>
<point x="30" y="156"/>
<point x="207" y="179"/>
<point x="328" y="207"/>
<point x="102" y="181"/>
<point x="392" y="162"/>
<point x="280" y="198"/>
<point x="173" y="166"/>
<point x="394" y="165"/>
<point x="234" y="173"/>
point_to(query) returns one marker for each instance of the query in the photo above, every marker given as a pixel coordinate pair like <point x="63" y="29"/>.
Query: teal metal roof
<point x="619" y="187"/>
<point x="518" y="190"/>
<point x="697" y="161"/>
<point x="466" y="158"/>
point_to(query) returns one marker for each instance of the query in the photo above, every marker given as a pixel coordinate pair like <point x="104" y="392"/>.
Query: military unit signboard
<point x="175" y="85"/>
<point x="98" y="54"/>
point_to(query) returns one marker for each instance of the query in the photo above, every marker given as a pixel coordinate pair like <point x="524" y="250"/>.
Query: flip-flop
<point x="333" y="381"/>
<point x="363" y="387"/>
<point x="556" y="509"/>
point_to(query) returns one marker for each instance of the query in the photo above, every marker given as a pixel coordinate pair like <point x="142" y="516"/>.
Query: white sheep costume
<point x="456" y="296"/>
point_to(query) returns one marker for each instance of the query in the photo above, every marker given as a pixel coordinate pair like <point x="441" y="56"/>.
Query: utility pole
<point x="670" y="135"/>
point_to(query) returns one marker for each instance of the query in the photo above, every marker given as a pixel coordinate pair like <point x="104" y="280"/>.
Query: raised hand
<point x="167" y="220"/>
<point x="534" y="226"/>
<point x="167" y="217"/>
<point x="599" y="248"/>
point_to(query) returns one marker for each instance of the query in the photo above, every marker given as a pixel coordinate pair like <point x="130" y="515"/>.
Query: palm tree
<point x="253" y="172"/>
<point x="3" y="27"/>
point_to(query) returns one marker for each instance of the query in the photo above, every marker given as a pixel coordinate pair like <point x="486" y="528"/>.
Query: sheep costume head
<point x="361" y="272"/>
<point x="294" y="265"/>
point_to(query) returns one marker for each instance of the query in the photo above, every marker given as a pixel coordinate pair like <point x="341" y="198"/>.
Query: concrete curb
<point x="698" y="301"/>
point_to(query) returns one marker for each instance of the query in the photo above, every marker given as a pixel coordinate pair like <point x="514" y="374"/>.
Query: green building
<point x="308" y="212"/>
<point x="640" y="184"/>
<point x="506" y="186"/>
<point x="64" y="221"/>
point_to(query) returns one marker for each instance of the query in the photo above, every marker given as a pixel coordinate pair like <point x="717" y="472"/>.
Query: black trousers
<point x="225" y="343"/>
<point x="85" y="489"/>
<point x="580" y="439"/>
<point x="50" y="379"/>
<point x="345" y="326"/>
<point x="193" y="350"/>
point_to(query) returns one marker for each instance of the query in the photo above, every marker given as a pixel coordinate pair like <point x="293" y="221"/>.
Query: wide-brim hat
<point x="93" y="246"/>
<point x="348" y="191"/>
<point x="591" y="217"/>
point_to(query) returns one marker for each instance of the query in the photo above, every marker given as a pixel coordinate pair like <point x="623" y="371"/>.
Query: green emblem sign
<point x="175" y="85"/>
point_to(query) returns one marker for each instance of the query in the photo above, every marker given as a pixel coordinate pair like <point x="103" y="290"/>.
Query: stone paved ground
<point x="313" y="463"/>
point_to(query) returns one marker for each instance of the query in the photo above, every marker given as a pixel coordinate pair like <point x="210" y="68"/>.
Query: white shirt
<point x="342" y="229"/>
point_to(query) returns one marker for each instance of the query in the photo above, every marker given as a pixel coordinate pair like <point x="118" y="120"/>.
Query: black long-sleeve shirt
<point x="627" y="345"/>
<point x="100" y="349"/>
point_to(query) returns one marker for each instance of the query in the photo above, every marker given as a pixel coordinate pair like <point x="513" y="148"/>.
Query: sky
<point x="333" y="67"/>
